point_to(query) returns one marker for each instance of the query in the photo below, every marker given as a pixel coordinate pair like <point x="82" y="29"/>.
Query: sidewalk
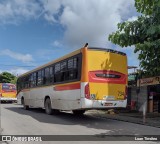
<point x="152" y="119"/>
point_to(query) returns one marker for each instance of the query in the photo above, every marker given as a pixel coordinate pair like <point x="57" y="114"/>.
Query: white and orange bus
<point x="8" y="92"/>
<point x="88" y="78"/>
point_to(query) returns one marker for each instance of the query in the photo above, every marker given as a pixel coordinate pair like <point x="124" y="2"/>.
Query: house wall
<point x="139" y="96"/>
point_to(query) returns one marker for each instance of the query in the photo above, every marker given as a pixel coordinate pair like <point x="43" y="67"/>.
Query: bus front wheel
<point x="78" y="112"/>
<point x="26" y="107"/>
<point x="48" y="107"/>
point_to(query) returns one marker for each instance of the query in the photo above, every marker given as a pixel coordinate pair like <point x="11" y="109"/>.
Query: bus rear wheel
<point x="48" y="107"/>
<point x="26" y="107"/>
<point x="78" y="112"/>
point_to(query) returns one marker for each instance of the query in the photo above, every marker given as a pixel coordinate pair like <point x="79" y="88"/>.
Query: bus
<point x="88" y="78"/>
<point x="8" y="92"/>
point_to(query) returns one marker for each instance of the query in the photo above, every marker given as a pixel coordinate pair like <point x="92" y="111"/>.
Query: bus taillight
<point x="87" y="91"/>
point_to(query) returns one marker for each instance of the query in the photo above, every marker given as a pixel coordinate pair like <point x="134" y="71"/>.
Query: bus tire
<point x="78" y="112"/>
<point x="48" y="107"/>
<point x="26" y="107"/>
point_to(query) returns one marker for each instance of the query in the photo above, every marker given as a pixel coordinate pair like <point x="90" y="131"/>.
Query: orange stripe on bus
<point x="67" y="87"/>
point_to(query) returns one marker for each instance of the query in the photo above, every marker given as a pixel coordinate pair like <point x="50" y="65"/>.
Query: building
<point x="145" y="92"/>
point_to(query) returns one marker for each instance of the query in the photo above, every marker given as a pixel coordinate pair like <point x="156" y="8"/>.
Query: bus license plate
<point x="108" y="104"/>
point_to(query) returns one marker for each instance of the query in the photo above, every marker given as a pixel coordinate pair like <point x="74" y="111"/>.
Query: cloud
<point x="83" y="20"/>
<point x="87" y="21"/>
<point x="25" y="58"/>
<point x="50" y="9"/>
<point x="56" y="43"/>
<point x="133" y="18"/>
<point x="49" y="18"/>
<point x="12" y="12"/>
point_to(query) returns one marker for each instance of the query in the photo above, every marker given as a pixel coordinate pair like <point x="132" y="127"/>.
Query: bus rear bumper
<point x="102" y="104"/>
<point x="110" y="104"/>
<point x="7" y="99"/>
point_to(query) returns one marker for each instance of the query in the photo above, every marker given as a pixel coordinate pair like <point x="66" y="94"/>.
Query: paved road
<point x="17" y="121"/>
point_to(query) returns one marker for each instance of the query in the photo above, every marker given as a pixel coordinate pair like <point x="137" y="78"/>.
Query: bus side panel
<point x="66" y="97"/>
<point x="35" y="94"/>
<point x="19" y="97"/>
<point x="60" y="99"/>
<point x="26" y="95"/>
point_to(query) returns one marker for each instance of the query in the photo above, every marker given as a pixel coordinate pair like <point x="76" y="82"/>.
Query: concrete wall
<point x="139" y="96"/>
<point x="142" y="97"/>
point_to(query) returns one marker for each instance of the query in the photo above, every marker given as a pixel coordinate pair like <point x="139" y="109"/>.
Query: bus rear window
<point x="108" y="75"/>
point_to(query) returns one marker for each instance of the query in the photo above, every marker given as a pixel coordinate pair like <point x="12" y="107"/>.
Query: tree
<point x="144" y="33"/>
<point x="6" y="77"/>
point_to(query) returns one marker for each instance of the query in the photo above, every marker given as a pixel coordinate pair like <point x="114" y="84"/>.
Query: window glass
<point x="61" y="72"/>
<point x="39" y="78"/>
<point x="47" y="72"/>
<point x="26" y="82"/>
<point x="63" y="65"/>
<point x="32" y="83"/>
<point x="70" y="63"/>
<point x="75" y="63"/>
<point x="51" y="80"/>
<point x="34" y="79"/>
<point x="42" y="72"/>
<point x="51" y="70"/>
<point x="47" y="75"/>
<point x="57" y="68"/>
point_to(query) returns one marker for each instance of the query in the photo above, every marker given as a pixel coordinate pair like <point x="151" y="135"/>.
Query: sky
<point x="34" y="32"/>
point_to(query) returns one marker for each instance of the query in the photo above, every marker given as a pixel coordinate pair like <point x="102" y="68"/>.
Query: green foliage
<point x="144" y="33"/>
<point x="7" y="77"/>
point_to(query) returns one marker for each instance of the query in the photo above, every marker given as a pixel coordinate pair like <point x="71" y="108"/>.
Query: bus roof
<point x="107" y="50"/>
<point x="70" y="55"/>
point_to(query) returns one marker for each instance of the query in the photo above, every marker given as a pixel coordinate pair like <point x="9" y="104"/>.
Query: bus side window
<point x="31" y="82"/>
<point x="67" y="70"/>
<point x="73" y="68"/>
<point x="42" y="76"/>
<point x="19" y="87"/>
<point x="39" y="78"/>
<point x="47" y="76"/>
<point x="51" y="70"/>
<point x="63" y="70"/>
<point x="26" y="82"/>
<point x="57" y="77"/>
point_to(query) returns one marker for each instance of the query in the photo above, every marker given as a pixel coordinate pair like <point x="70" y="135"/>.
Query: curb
<point x="108" y="116"/>
<point x="141" y="123"/>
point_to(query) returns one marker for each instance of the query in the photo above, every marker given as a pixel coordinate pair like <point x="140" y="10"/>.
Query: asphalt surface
<point x="17" y="121"/>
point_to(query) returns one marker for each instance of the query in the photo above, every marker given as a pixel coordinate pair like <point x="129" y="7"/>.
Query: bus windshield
<point x="8" y="87"/>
